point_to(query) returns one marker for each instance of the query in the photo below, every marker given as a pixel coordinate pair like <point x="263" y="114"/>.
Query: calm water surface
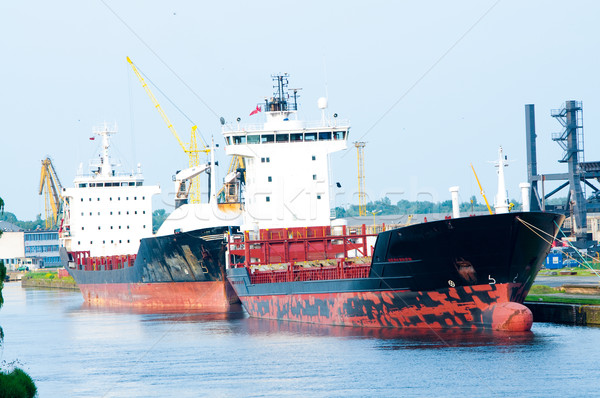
<point x="73" y="350"/>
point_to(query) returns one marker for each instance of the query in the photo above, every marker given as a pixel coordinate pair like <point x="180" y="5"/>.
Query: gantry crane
<point x="51" y="187"/>
<point x="362" y="196"/>
<point x="191" y="149"/>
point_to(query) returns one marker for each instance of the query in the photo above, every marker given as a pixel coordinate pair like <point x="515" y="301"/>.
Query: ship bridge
<point x="287" y="162"/>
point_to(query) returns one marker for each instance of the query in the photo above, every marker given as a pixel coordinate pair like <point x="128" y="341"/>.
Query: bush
<point x="16" y="384"/>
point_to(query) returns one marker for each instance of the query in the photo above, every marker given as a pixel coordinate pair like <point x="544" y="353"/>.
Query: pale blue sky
<point x="460" y="73"/>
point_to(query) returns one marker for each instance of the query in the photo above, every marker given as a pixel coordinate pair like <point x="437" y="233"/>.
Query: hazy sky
<point x="430" y="86"/>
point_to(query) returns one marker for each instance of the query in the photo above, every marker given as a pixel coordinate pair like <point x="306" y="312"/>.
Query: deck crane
<point x="191" y="149"/>
<point x="51" y="187"/>
<point x="230" y="192"/>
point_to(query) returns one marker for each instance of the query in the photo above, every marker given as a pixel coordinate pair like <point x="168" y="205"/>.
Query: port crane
<point x="190" y="149"/>
<point x="51" y="188"/>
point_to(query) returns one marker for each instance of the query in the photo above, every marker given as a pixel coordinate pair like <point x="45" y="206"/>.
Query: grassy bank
<point x="547" y="294"/>
<point x="47" y="278"/>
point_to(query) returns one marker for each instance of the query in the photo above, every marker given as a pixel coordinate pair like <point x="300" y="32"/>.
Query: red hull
<point x="472" y="307"/>
<point x="215" y="296"/>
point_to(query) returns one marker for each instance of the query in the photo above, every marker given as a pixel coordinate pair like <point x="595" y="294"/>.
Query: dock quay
<point x="568" y="314"/>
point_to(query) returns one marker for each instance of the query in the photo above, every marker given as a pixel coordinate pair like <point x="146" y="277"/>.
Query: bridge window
<point x="267" y="138"/>
<point x="310" y="137"/>
<point x="253" y="139"/>
<point x="339" y="135"/>
<point x="239" y="140"/>
<point x="326" y="136"/>
<point x="297" y="137"/>
<point x="282" y="137"/>
<point x="228" y="140"/>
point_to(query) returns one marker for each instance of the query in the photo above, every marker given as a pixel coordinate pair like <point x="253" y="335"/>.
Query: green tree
<point x="158" y="217"/>
<point x="16" y="383"/>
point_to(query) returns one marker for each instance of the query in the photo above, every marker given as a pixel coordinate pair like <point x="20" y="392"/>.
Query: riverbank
<point x="571" y="296"/>
<point x="49" y="279"/>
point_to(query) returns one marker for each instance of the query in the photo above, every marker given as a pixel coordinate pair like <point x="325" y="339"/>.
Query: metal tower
<point x="362" y="196"/>
<point x="571" y="141"/>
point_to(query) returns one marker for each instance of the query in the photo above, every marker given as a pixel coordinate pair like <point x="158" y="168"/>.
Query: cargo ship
<point x="108" y="247"/>
<point x="469" y="273"/>
<point x="461" y="272"/>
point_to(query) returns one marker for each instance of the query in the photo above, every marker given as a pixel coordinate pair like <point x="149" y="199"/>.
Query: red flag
<point x="92" y="138"/>
<point x="254" y="112"/>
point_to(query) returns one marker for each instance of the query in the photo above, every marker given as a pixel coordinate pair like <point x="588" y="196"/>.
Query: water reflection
<point x="167" y="315"/>
<point x="392" y="339"/>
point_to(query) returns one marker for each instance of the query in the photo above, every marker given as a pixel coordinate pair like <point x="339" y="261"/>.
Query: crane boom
<point x="51" y="187"/>
<point x="192" y="150"/>
<point x="481" y="190"/>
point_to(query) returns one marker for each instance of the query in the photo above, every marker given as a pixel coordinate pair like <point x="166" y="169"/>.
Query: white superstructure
<point x="287" y="163"/>
<point x="107" y="212"/>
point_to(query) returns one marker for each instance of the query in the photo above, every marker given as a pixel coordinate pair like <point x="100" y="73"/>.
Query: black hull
<point x="181" y="270"/>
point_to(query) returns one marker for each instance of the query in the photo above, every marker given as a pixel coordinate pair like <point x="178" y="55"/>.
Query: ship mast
<point x="501" y="204"/>
<point x="105" y="167"/>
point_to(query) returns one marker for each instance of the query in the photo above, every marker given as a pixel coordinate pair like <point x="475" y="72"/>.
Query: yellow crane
<point x="481" y="190"/>
<point x="191" y="149"/>
<point x="362" y="196"/>
<point x="51" y="187"/>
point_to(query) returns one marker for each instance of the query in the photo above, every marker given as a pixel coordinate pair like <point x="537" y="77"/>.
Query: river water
<point x="73" y="350"/>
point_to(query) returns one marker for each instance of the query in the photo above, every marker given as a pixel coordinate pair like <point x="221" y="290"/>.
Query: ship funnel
<point x="455" y="205"/>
